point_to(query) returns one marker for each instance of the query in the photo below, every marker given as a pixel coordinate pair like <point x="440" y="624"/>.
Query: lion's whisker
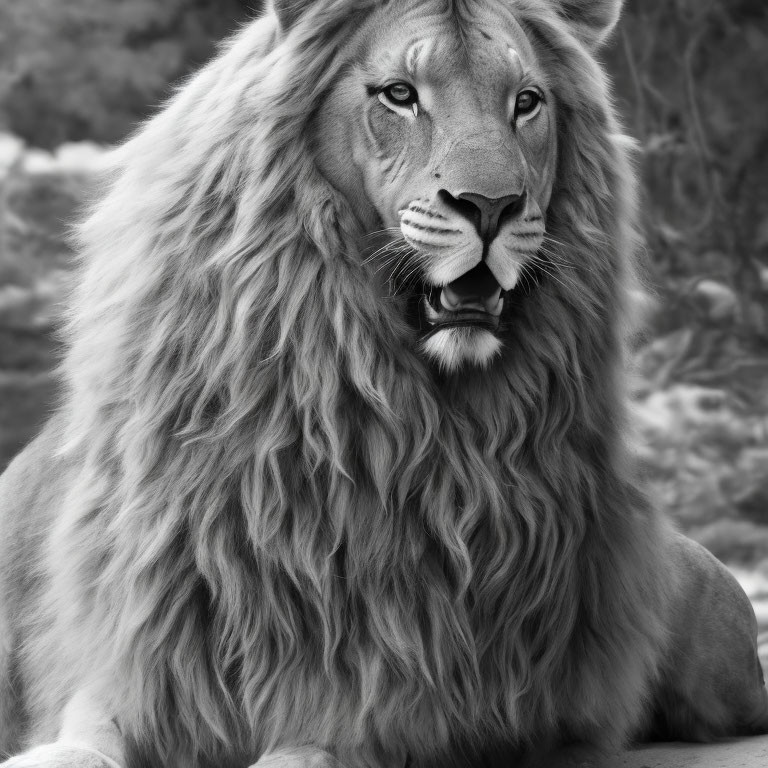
<point x="384" y="257"/>
<point x="388" y="246"/>
<point x="384" y="249"/>
<point x="391" y="259"/>
<point x="396" y="258"/>
<point x="569" y="285"/>
<point x="386" y="230"/>
<point x="553" y="254"/>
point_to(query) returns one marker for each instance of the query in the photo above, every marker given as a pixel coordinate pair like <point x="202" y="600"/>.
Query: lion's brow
<point x="417" y="55"/>
<point x="520" y="71"/>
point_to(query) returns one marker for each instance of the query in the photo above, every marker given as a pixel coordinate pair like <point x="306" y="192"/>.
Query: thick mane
<point x="264" y="456"/>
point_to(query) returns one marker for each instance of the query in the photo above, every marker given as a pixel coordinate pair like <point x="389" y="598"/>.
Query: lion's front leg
<point x="314" y="757"/>
<point x="711" y="683"/>
<point x="59" y="755"/>
<point x="300" y="757"/>
<point x="88" y="738"/>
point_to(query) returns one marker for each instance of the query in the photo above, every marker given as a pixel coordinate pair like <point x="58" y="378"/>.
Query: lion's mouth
<point x="474" y="299"/>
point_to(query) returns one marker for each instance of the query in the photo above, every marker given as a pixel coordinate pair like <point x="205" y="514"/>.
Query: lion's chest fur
<point x="426" y="624"/>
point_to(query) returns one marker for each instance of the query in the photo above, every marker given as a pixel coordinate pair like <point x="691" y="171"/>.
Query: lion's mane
<point x="284" y="526"/>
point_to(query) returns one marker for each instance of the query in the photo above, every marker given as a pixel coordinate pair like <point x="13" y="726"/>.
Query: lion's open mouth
<point x="474" y="299"/>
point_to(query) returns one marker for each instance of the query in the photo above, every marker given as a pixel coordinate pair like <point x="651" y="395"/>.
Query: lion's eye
<point x="527" y="103"/>
<point x="401" y="94"/>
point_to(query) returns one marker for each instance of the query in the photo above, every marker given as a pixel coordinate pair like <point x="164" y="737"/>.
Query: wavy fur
<point x="284" y="528"/>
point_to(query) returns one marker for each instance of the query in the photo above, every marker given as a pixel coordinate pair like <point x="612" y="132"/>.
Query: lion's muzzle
<point x="485" y="213"/>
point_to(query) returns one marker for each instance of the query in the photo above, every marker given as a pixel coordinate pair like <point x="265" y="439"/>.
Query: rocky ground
<point x="730" y="753"/>
<point x="701" y="396"/>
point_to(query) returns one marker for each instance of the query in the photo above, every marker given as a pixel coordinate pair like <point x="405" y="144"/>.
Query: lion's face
<point x="442" y="136"/>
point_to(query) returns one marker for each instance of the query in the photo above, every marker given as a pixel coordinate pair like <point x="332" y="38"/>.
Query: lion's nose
<point x="486" y="213"/>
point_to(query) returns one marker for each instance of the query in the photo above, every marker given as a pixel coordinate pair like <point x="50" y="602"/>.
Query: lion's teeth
<point x="495" y="303"/>
<point x="448" y="298"/>
<point x="431" y="314"/>
<point x="453" y="301"/>
<point x="496" y="309"/>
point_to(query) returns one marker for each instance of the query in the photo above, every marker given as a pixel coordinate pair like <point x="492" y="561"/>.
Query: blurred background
<point x="691" y="81"/>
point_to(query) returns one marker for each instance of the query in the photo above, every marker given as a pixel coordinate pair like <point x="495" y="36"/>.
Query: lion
<point x="341" y="473"/>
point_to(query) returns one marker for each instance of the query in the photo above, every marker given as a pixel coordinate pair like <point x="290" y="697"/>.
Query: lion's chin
<point x="455" y="347"/>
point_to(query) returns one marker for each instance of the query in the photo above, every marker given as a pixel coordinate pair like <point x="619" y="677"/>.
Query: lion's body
<point x="262" y="519"/>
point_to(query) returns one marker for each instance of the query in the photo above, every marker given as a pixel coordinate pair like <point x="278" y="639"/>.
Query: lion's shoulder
<point x="31" y="490"/>
<point x="32" y="475"/>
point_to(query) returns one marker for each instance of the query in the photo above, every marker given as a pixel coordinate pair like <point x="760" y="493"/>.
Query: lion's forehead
<point x="487" y="46"/>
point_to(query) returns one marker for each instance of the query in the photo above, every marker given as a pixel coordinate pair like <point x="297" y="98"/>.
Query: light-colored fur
<point x="261" y="522"/>
<point x="453" y="347"/>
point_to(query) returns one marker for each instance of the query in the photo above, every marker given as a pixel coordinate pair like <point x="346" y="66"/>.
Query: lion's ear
<point x="592" y="20"/>
<point x="288" y="12"/>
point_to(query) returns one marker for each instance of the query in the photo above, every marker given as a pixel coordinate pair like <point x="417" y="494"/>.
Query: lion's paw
<point x="60" y="756"/>
<point x="299" y="757"/>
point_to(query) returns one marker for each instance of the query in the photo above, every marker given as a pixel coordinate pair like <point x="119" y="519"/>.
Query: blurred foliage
<point x="691" y="77"/>
<point x="706" y="460"/>
<point x="89" y="69"/>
